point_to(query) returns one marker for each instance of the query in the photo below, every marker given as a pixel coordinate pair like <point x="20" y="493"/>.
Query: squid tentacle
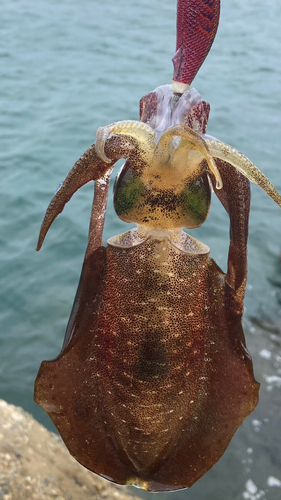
<point x="98" y="213"/>
<point x="89" y="167"/>
<point x="133" y="131"/>
<point x="244" y="165"/>
<point x="190" y="140"/>
<point x="235" y="198"/>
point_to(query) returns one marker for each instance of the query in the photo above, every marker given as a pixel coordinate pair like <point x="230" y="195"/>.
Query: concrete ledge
<point x="35" y="465"/>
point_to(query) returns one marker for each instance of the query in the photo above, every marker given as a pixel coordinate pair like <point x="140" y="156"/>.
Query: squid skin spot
<point x="152" y="363"/>
<point x="81" y="409"/>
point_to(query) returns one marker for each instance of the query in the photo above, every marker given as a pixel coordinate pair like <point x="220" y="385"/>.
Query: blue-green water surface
<point x="69" y="67"/>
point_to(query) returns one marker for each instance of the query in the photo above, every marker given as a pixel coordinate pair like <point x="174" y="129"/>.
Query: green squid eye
<point x="195" y="202"/>
<point x="128" y="193"/>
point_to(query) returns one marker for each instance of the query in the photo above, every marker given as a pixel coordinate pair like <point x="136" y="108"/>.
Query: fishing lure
<point x="154" y="376"/>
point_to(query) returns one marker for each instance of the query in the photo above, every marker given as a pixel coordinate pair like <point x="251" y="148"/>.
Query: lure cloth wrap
<point x="197" y="24"/>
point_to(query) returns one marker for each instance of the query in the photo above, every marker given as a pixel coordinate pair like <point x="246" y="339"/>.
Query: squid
<point x="154" y="376"/>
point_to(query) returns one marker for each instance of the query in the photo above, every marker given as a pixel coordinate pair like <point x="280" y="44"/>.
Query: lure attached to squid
<point x="154" y="376"/>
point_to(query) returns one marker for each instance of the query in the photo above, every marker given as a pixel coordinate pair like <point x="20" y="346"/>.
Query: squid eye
<point x="195" y="200"/>
<point x="129" y="193"/>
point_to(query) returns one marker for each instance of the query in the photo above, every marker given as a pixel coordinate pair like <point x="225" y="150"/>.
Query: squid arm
<point x="236" y="170"/>
<point x="244" y="165"/>
<point x="135" y="134"/>
<point x="190" y="140"/>
<point x="235" y="198"/>
<point x="89" y="167"/>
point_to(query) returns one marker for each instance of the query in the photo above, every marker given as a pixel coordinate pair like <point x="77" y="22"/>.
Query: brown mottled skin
<point x="154" y="376"/>
<point x="148" y="393"/>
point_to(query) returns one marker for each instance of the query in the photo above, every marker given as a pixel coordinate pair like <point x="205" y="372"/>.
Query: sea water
<point x="69" y="67"/>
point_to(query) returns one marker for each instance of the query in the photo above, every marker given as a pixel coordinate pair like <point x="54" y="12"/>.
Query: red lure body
<point x="197" y="24"/>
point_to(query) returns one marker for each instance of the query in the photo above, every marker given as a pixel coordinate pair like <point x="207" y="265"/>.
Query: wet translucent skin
<point x="244" y="165"/>
<point x="154" y="376"/>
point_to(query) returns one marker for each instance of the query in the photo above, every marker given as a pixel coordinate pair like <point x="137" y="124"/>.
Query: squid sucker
<point x="154" y="376"/>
